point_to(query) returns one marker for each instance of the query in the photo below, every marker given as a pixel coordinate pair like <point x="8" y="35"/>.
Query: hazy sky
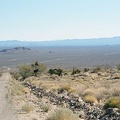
<point x="58" y="19"/>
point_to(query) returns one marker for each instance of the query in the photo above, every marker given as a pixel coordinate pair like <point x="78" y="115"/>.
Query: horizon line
<point x="58" y="39"/>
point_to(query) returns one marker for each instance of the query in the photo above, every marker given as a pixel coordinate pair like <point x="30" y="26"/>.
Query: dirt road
<point x="6" y="109"/>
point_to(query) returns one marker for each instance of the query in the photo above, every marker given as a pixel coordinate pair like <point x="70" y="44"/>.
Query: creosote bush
<point x="34" y="69"/>
<point x="58" y="72"/>
<point x="16" y="75"/>
<point x="76" y="71"/>
<point x="86" y="69"/>
<point x="62" y="114"/>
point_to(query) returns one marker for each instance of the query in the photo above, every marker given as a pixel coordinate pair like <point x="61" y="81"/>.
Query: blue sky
<point x="42" y="20"/>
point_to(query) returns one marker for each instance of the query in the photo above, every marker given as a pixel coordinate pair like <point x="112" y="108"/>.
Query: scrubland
<point x="77" y="94"/>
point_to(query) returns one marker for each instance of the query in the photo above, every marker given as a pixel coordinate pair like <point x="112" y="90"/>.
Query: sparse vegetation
<point x="93" y="88"/>
<point x="86" y="69"/>
<point x="25" y="71"/>
<point x="61" y="89"/>
<point x="113" y="103"/>
<point x="18" y="89"/>
<point x="118" y="66"/>
<point x="96" y="69"/>
<point x="27" y="108"/>
<point x="90" y="99"/>
<point x="58" y="72"/>
<point x="45" y="107"/>
<point x="76" y="71"/>
<point x="62" y="114"/>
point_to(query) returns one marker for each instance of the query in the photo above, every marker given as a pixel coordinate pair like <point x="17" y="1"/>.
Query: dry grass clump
<point x="62" y="114"/>
<point x="67" y="88"/>
<point x="102" y="90"/>
<point x="17" y="89"/>
<point x="27" y="108"/>
<point x="62" y="88"/>
<point x="113" y="103"/>
<point x="88" y="92"/>
<point x="72" y="90"/>
<point x="90" y="99"/>
<point x="45" y="107"/>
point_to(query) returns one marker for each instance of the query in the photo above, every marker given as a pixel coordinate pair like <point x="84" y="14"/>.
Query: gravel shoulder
<point x="6" y="110"/>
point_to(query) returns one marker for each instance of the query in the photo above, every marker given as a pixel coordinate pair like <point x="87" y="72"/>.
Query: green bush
<point x="55" y="71"/>
<point x="34" y="69"/>
<point x="86" y="69"/>
<point x="16" y="75"/>
<point x="62" y="114"/>
<point x="113" y="103"/>
<point x="75" y="71"/>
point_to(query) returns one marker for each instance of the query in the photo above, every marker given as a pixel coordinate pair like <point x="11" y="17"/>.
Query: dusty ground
<point x="6" y="109"/>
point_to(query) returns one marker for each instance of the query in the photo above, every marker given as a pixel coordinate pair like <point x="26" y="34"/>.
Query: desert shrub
<point x="118" y="66"/>
<point x="45" y="107"/>
<point x="90" y="99"/>
<point x="76" y="71"/>
<point x="17" y="88"/>
<point x="62" y="114"/>
<point x="71" y="90"/>
<point x="67" y="88"/>
<point x="16" y="75"/>
<point x="55" y="71"/>
<point x="100" y="68"/>
<point x="34" y="69"/>
<point x="38" y="68"/>
<point x="27" y="108"/>
<point x="86" y="69"/>
<point x="88" y="92"/>
<point x="113" y="103"/>
<point x="96" y="69"/>
<point x="61" y="89"/>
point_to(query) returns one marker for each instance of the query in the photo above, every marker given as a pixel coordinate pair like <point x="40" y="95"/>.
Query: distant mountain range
<point x="67" y="42"/>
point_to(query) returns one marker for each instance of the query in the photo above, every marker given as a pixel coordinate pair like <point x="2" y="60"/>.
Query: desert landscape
<point x="59" y="59"/>
<point x="57" y="94"/>
<point x="44" y="91"/>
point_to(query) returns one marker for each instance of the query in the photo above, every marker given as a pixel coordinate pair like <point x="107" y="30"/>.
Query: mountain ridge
<point x="64" y="42"/>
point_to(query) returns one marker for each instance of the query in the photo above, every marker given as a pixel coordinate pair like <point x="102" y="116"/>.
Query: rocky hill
<point x="16" y="49"/>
